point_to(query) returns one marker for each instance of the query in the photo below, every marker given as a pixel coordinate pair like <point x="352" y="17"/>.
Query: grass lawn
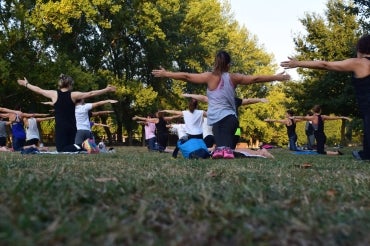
<point x="136" y="197"/>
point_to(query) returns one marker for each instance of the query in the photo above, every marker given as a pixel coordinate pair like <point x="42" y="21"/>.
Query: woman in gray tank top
<point x="221" y="86"/>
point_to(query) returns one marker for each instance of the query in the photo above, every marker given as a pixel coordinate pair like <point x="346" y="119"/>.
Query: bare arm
<point x="348" y="65"/>
<point x="201" y="78"/>
<point x="139" y="118"/>
<point x="6" y="110"/>
<point x="100" y="124"/>
<point x="169" y="111"/>
<point x="242" y="79"/>
<point x="169" y="118"/>
<point x="83" y="95"/>
<point x="102" y="112"/>
<point x="44" y="118"/>
<point x="52" y="94"/>
<point x="278" y="121"/>
<point x="308" y="118"/>
<point x="27" y="115"/>
<point x="200" y="98"/>
<point x="142" y="122"/>
<point x="326" y="117"/>
<point x="247" y="101"/>
<point x="48" y="103"/>
<point x="100" y="103"/>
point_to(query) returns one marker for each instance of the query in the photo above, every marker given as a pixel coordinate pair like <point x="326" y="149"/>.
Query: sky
<point x="275" y="22"/>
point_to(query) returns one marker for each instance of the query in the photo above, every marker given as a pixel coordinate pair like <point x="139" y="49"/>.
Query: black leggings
<point x="320" y="142"/>
<point x="224" y="131"/>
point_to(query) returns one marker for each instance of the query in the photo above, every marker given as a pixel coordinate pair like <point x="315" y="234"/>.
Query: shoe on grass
<point x="218" y="153"/>
<point x="228" y="153"/>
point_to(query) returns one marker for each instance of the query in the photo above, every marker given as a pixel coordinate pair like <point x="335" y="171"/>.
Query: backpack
<point x="193" y="148"/>
<point x="90" y="146"/>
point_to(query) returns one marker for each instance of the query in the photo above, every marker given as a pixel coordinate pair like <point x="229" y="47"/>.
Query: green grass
<point x="134" y="197"/>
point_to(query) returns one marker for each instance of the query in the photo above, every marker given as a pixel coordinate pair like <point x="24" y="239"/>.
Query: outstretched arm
<point x="347" y="65"/>
<point x="301" y="118"/>
<point x="27" y="115"/>
<point x="52" y="94"/>
<point x="169" y="111"/>
<point x="242" y="79"/>
<point x="247" y="101"/>
<point x="198" y="78"/>
<point x="278" y="121"/>
<point x="100" y="103"/>
<point x="6" y="110"/>
<point x="139" y="118"/>
<point x="200" y="98"/>
<point x="45" y="118"/>
<point x="97" y="113"/>
<point x="83" y="95"/>
<point x="100" y="124"/>
<point x="169" y="118"/>
<point x="326" y="117"/>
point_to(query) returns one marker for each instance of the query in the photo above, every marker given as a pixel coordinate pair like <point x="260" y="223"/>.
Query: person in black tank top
<point x="64" y="100"/>
<point x="318" y="124"/>
<point x="65" y="123"/>
<point x="290" y="123"/>
<point x="360" y="67"/>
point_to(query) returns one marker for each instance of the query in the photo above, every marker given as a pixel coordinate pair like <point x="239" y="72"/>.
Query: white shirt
<point x="179" y="130"/>
<point x="207" y="129"/>
<point x="82" y="116"/>
<point x="32" y="131"/>
<point x="193" y="121"/>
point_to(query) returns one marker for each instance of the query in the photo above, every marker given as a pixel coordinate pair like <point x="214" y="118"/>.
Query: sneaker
<point x="228" y="153"/>
<point x="218" y="153"/>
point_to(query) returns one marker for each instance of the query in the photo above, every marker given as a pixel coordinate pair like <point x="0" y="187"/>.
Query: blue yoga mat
<point x="305" y="152"/>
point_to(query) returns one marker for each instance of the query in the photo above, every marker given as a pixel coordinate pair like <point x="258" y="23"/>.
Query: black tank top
<point x="319" y="128"/>
<point x="65" y="110"/>
<point x="291" y="128"/>
<point x="161" y="126"/>
<point x="362" y="90"/>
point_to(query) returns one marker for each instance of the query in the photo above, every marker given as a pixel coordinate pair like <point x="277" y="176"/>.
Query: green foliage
<point x="59" y="13"/>
<point x="275" y="109"/>
<point x="119" y="42"/>
<point x="136" y="197"/>
<point x="361" y="9"/>
<point x="332" y="37"/>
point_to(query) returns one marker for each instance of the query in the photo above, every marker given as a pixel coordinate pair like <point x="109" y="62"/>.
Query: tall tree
<point x="329" y="38"/>
<point x="361" y="8"/>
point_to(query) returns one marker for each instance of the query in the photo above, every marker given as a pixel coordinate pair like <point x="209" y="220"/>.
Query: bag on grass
<point x="90" y="146"/>
<point x="192" y="149"/>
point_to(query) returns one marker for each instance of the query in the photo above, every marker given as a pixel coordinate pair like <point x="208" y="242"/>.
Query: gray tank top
<point x="221" y="101"/>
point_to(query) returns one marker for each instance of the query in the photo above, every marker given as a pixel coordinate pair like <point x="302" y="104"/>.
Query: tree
<point x="330" y="38"/>
<point x="361" y="8"/>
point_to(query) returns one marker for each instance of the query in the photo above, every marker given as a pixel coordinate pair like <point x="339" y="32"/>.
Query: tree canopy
<point x="119" y="42"/>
